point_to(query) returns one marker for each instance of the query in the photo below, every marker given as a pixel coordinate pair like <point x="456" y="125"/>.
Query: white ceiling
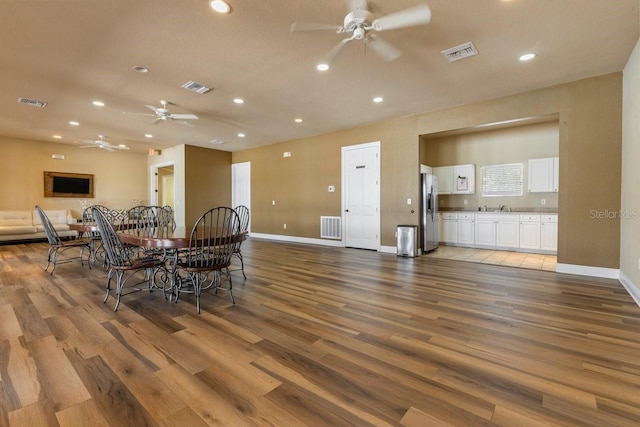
<point x="69" y="53"/>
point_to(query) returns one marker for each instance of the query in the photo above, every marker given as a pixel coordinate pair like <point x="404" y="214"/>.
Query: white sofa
<point x="26" y="225"/>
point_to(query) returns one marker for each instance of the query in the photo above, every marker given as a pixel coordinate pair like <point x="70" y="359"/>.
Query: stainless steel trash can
<point x="407" y="236"/>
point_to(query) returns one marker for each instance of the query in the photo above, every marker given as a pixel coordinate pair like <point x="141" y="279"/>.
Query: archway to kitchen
<point x="498" y="191"/>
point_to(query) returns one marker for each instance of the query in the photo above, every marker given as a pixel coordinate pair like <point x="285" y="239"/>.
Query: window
<point x="502" y="180"/>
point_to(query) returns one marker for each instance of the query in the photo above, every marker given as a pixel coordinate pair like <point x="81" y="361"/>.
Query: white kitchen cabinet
<point x="543" y="175"/>
<point x="507" y="232"/>
<point x="549" y="233"/>
<point x="530" y="231"/>
<point x="496" y="230"/>
<point x="456" y="179"/>
<point x="466" y="229"/>
<point x="464" y="179"/>
<point x="445" y="179"/>
<point x="449" y="227"/>
<point x="485" y="230"/>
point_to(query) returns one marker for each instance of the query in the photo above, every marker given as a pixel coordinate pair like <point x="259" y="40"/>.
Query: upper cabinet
<point x="543" y="175"/>
<point x="464" y="179"/>
<point x="457" y="179"/>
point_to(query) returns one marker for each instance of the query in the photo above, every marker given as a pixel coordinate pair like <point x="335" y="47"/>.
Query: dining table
<point x="171" y="241"/>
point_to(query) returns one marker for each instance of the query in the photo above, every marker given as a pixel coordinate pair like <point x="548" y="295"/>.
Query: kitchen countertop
<point x="496" y="210"/>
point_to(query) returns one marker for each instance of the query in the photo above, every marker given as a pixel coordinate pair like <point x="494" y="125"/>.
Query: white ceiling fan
<point x="359" y="24"/>
<point x="102" y="143"/>
<point x="162" y="114"/>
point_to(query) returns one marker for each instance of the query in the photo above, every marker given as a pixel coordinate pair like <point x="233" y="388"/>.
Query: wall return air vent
<point x="32" y="102"/>
<point x="459" y="52"/>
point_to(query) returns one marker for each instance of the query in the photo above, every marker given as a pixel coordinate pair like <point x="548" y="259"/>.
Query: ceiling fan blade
<point x="106" y="147"/>
<point x="152" y="108"/>
<point x="139" y="114"/>
<point x="87" y="146"/>
<point x="158" y="120"/>
<point x="416" y="15"/>
<point x="383" y="48"/>
<point x="183" y="116"/>
<point x="333" y="53"/>
<point x="311" y="26"/>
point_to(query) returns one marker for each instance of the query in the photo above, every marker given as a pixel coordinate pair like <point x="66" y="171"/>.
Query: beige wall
<point x="630" y="223"/>
<point x="590" y="115"/>
<point x="23" y="162"/>
<point x="490" y="147"/>
<point x="207" y="181"/>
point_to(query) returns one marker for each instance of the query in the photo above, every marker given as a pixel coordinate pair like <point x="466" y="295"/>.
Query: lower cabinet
<point x="449" y="227"/>
<point x="549" y="233"/>
<point x="485" y="231"/>
<point x="466" y="229"/>
<point x="500" y="231"/>
<point x="507" y="235"/>
<point x="526" y="232"/>
<point x="530" y="231"/>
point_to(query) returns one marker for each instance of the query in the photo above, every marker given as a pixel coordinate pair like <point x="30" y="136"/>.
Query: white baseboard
<point x="585" y="270"/>
<point x="633" y="290"/>
<point x="295" y="239"/>
<point x="389" y="249"/>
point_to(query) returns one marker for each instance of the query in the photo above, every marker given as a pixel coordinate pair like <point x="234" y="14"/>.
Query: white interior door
<point x="241" y="186"/>
<point x="361" y="183"/>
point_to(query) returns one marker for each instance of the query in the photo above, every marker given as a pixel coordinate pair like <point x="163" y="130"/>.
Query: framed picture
<point x="462" y="183"/>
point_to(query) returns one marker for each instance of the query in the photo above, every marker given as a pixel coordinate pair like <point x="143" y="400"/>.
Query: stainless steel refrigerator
<point x="429" y="238"/>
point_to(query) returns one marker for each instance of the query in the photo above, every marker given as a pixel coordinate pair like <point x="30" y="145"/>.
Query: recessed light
<point x="74" y="123"/>
<point x="122" y="145"/>
<point x="527" y="57"/>
<point x="241" y="135"/>
<point x="98" y="103"/>
<point x="322" y="67"/>
<point x="140" y="69"/>
<point x="298" y="120"/>
<point x="148" y="135"/>
<point x="57" y="137"/>
<point x="220" y="6"/>
<point x="238" y="100"/>
<point x="378" y="99"/>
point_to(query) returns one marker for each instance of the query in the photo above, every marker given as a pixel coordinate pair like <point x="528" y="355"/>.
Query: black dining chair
<point x="57" y="246"/>
<point x="122" y="262"/>
<point x="243" y="218"/>
<point x="211" y="246"/>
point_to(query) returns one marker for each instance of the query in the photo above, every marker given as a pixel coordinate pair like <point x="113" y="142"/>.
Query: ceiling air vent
<point x="462" y="51"/>
<point x="32" y="102"/>
<point x="196" y="87"/>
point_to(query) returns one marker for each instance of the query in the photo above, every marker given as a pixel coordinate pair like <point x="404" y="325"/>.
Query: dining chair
<point x="57" y="246"/>
<point x="243" y="218"/>
<point x="95" y="249"/>
<point x="210" y="249"/>
<point x="122" y="262"/>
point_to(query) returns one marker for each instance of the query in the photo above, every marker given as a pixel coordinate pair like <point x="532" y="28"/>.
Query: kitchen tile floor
<point x="511" y="259"/>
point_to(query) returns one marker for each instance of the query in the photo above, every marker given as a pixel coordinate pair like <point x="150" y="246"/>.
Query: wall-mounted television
<point x="63" y="184"/>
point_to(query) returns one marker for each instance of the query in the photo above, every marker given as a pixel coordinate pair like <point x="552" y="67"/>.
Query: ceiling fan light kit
<point x="360" y="25"/>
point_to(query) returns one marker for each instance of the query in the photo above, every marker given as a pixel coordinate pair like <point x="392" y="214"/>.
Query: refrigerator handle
<point x="431" y="207"/>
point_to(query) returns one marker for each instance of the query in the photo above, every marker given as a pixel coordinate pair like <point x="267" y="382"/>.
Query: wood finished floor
<point x="320" y="336"/>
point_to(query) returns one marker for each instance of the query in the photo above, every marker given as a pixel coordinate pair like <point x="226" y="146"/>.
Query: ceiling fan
<point x="359" y="24"/>
<point x="101" y="143"/>
<point x="162" y="114"/>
